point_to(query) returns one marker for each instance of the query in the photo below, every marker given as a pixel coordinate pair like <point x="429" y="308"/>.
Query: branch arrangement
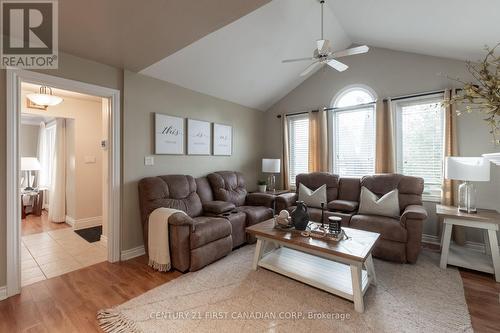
<point x="483" y="95"/>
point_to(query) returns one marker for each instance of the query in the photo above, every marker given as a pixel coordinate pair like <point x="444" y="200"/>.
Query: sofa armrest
<point x="260" y="199"/>
<point x="181" y="227"/>
<point x="413" y="219"/>
<point x="343" y="205"/>
<point x="218" y="207"/>
<point x="285" y="200"/>
<point x="413" y="212"/>
<point x="179" y="219"/>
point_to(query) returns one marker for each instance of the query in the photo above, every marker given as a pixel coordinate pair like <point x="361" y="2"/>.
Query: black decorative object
<point x="300" y="216"/>
<point x="334" y="224"/>
<point x="322" y="215"/>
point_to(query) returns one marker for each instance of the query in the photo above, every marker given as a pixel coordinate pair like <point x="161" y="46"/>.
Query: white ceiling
<point x="241" y="62"/>
<point x="456" y="29"/>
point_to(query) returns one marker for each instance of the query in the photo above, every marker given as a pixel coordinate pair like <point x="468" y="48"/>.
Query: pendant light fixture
<point x="45" y="97"/>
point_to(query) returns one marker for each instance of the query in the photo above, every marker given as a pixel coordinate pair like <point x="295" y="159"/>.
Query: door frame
<point x="14" y="79"/>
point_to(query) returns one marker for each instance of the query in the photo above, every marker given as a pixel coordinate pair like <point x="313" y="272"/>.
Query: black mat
<point x="90" y="234"/>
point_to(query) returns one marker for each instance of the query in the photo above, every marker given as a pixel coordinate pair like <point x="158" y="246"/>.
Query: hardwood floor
<point x="36" y="224"/>
<point x="482" y="294"/>
<point x="69" y="303"/>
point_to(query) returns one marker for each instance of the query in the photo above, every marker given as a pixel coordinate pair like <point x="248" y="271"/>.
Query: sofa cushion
<point x="204" y="189"/>
<point x="208" y="229"/>
<point x="228" y="186"/>
<point x="387" y="227"/>
<point x="410" y="188"/>
<point x="256" y="214"/>
<point x="171" y="191"/>
<point x="217" y="207"/>
<point x="314" y="180"/>
<point x="312" y="198"/>
<point x="343" y="205"/>
<point x="349" y="188"/>
<point x="385" y="205"/>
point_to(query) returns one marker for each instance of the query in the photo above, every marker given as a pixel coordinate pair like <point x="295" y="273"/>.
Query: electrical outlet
<point x="149" y="160"/>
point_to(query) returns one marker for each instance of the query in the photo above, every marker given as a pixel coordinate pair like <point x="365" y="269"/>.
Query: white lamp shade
<point x="467" y="168"/>
<point x="271" y="165"/>
<point x="29" y="164"/>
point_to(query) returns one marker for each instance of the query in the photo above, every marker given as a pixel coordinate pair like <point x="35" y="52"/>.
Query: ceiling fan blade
<point x="351" y="51"/>
<point x="297" y="59"/>
<point x="310" y="68"/>
<point x="337" y="65"/>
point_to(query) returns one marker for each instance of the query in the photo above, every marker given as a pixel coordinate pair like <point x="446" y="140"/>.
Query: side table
<point x="486" y="220"/>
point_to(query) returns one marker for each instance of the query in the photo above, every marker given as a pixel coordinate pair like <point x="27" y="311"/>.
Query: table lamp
<point x="29" y="164"/>
<point x="271" y="166"/>
<point x="467" y="169"/>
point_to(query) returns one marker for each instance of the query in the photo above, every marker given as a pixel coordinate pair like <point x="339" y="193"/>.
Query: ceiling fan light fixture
<point x="45" y="97"/>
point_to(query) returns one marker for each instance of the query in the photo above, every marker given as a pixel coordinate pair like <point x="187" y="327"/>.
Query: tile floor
<point x="53" y="253"/>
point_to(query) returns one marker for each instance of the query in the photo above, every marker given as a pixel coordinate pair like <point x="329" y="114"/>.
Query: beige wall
<point x="143" y="97"/>
<point x="70" y="67"/>
<point x="28" y="140"/>
<point x="390" y="74"/>
<point x="83" y="137"/>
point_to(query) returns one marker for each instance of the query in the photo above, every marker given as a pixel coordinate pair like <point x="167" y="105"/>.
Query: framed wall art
<point x="199" y="137"/>
<point x="223" y="140"/>
<point x="169" y="134"/>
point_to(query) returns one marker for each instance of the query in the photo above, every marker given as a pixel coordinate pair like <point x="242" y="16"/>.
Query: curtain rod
<point x="415" y="95"/>
<point x="327" y="109"/>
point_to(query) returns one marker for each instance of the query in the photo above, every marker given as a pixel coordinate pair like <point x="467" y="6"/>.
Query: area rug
<point x="227" y="296"/>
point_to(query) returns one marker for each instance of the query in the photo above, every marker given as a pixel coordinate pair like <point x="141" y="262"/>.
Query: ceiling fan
<point x="323" y="53"/>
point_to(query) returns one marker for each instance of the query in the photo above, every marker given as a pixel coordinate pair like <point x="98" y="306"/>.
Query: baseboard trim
<point x="3" y="293"/>
<point x="473" y="246"/>
<point x="84" y="223"/>
<point x="104" y="239"/>
<point x="132" y="253"/>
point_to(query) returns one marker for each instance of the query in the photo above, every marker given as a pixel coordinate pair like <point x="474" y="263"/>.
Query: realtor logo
<point x="29" y="34"/>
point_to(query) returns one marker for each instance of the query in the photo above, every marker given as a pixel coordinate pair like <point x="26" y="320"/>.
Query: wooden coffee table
<point x="344" y="268"/>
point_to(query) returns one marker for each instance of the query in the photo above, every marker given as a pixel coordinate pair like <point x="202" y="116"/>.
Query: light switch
<point x="149" y="160"/>
<point x="89" y="159"/>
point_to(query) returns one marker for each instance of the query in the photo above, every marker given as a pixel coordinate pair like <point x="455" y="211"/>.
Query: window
<point x="420" y="141"/>
<point x="298" y="133"/>
<point x="352" y="133"/>
<point x="47" y="155"/>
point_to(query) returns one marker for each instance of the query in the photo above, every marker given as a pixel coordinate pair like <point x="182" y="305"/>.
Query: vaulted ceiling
<point x="232" y="49"/>
<point x="134" y="34"/>
<point x="241" y="62"/>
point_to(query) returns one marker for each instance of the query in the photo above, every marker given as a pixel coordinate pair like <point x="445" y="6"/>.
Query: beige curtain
<point x="285" y="156"/>
<point x="385" y="159"/>
<point x="449" y="192"/>
<point x="318" y="141"/>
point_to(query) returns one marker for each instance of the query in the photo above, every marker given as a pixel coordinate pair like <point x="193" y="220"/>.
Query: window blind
<point x="354" y="142"/>
<point x="420" y="142"/>
<point x="298" y="132"/>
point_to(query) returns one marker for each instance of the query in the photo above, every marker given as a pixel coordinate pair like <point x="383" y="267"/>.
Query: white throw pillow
<point x="371" y="204"/>
<point x="312" y="198"/>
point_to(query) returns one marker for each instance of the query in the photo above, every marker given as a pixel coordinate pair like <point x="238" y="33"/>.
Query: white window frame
<point x="396" y="107"/>
<point x="332" y="123"/>
<point x="291" y="180"/>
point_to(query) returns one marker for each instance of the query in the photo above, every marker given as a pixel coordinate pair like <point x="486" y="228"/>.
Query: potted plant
<point x="262" y="185"/>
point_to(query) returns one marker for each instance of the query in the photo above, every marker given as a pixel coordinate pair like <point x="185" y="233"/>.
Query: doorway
<point x="59" y="225"/>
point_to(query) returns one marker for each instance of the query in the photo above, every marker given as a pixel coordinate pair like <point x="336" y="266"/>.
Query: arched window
<point x="352" y="122"/>
<point x="353" y="96"/>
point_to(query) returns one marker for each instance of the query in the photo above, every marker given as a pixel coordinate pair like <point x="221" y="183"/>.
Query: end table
<point x="486" y="220"/>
